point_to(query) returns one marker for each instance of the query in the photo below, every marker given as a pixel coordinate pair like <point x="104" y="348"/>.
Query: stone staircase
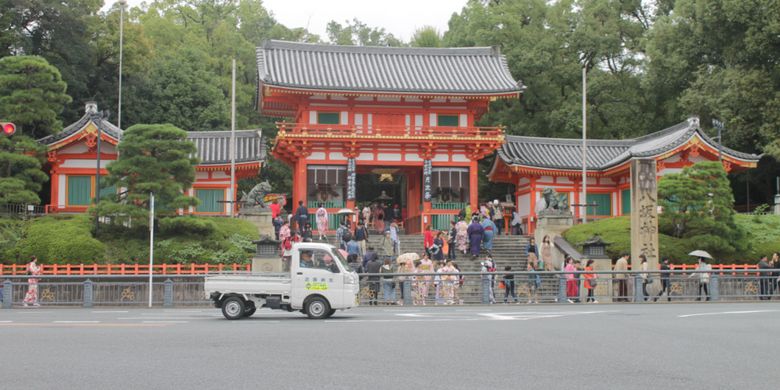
<point x="507" y="250"/>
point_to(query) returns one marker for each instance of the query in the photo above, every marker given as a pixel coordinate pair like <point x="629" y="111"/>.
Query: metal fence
<point x="427" y="288"/>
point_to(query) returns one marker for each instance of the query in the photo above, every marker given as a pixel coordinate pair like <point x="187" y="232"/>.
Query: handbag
<point x="593" y="282"/>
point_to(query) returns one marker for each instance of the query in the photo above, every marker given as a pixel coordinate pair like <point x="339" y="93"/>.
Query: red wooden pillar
<point x="55" y="190"/>
<point x="577" y="200"/>
<point x="299" y="182"/>
<point x="473" y="186"/>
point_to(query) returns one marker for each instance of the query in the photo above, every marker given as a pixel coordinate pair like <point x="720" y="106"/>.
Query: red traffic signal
<point x="8" y="128"/>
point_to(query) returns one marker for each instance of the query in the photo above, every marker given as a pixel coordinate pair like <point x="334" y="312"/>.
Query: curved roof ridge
<point x="324" y="47"/>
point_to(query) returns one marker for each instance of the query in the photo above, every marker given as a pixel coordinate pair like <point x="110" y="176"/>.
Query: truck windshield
<point x="342" y="260"/>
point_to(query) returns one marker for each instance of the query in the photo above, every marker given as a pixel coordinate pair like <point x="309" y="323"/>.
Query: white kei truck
<point x="319" y="282"/>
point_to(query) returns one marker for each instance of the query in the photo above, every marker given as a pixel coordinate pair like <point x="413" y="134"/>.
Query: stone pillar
<point x="351" y="183"/>
<point x="552" y="225"/>
<point x="427" y="192"/>
<point x="644" y="213"/>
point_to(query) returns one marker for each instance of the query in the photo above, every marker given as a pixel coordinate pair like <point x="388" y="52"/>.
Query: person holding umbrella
<point x="704" y="277"/>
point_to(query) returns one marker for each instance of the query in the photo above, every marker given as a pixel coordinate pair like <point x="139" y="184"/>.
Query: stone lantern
<point x="267" y="257"/>
<point x="595" y="248"/>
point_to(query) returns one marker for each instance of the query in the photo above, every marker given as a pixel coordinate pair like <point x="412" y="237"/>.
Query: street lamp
<point x="122" y="4"/>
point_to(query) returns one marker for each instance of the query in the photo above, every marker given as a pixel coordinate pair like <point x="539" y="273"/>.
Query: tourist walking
<point x="361" y="236"/>
<point x="386" y="246"/>
<point x="437" y="250"/>
<point x="301" y="215"/>
<point x="704" y="278"/>
<point x="498" y="217"/>
<point x="462" y="236"/>
<point x="458" y="283"/>
<point x="765" y="279"/>
<point x="516" y="223"/>
<point x="428" y="240"/>
<point x="775" y="263"/>
<point x="488" y="267"/>
<point x="388" y="284"/>
<point x="366" y="215"/>
<point x="306" y="233"/>
<point x="396" y="241"/>
<point x="590" y="281"/>
<point x="370" y="255"/>
<point x="509" y="285"/>
<point x="665" y="285"/>
<point x="475" y="232"/>
<point x="571" y="282"/>
<point x="405" y="266"/>
<point x="322" y="222"/>
<point x="534" y="279"/>
<point x="531" y="248"/>
<point x="33" y="270"/>
<point x="546" y="254"/>
<point x="490" y="232"/>
<point x="452" y="238"/>
<point x="645" y="277"/>
<point x="373" y="267"/>
<point x="621" y="265"/>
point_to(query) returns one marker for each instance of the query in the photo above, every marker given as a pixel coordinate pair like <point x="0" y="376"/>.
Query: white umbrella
<point x="345" y="211"/>
<point x="700" y="253"/>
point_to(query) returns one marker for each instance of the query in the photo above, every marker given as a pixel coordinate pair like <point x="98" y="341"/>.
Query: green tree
<point x="21" y="176"/>
<point x="32" y="95"/>
<point x="698" y="204"/>
<point x="427" y="36"/>
<point x="156" y="159"/>
<point x="359" y="33"/>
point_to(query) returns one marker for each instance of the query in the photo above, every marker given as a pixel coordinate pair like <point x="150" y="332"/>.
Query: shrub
<point x="178" y="226"/>
<point x="61" y="239"/>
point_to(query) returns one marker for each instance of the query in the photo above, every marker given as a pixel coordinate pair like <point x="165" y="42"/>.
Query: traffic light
<point x="8" y="128"/>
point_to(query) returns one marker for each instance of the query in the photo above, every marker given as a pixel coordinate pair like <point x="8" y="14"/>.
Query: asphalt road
<point x="644" y="346"/>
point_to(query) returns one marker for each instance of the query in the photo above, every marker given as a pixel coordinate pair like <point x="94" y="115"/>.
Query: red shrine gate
<point x="385" y="125"/>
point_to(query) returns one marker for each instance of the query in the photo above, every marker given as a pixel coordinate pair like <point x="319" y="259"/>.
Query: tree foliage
<point x="21" y="176"/>
<point x="358" y="33"/>
<point x="32" y="95"/>
<point x="698" y="203"/>
<point x="427" y="36"/>
<point x="153" y="159"/>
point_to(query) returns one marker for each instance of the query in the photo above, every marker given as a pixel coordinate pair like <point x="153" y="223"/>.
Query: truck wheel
<point x="317" y="308"/>
<point x="250" y="309"/>
<point x="233" y="308"/>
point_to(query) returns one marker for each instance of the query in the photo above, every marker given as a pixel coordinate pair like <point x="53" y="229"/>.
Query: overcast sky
<point x="399" y="17"/>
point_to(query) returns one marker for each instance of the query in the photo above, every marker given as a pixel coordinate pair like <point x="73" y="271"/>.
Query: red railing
<point x="378" y="130"/>
<point x="124" y="269"/>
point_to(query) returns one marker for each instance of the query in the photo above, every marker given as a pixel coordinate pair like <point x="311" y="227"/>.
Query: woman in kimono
<point x="462" y="236"/>
<point x="322" y="222"/>
<point x="490" y="231"/>
<point x="425" y="266"/>
<point x="475" y="231"/>
<point x="33" y="269"/>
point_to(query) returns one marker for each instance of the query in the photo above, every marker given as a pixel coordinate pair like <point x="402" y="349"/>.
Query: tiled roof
<point x="477" y="70"/>
<point x="96" y="118"/>
<point x="559" y="153"/>
<point x="214" y="146"/>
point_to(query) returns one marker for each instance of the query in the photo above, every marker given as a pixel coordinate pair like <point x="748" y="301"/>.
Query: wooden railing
<point x="389" y="131"/>
<point x="125" y="269"/>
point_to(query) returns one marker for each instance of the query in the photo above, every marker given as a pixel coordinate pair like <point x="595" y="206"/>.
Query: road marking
<point x="53" y="325"/>
<point x="76" y="322"/>
<point x="407" y="320"/>
<point x="159" y="318"/>
<point x="164" y="322"/>
<point x="726" y="312"/>
<point x="5" y="322"/>
<point x="109" y="311"/>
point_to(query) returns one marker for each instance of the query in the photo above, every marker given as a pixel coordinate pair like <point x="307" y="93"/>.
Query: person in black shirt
<point x="301" y="215"/>
<point x="509" y="285"/>
<point x="665" y="285"/>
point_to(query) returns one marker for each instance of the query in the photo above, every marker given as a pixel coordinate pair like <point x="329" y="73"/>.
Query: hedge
<point x="762" y="236"/>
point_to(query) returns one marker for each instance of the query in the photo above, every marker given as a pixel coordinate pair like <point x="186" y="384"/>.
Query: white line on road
<point x="108" y="311"/>
<point x="161" y="318"/>
<point x="5" y="322"/>
<point x="76" y="322"/>
<point x="165" y="322"/>
<point x="725" y="312"/>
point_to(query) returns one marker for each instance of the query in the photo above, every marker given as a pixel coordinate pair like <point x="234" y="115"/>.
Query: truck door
<point x="316" y="273"/>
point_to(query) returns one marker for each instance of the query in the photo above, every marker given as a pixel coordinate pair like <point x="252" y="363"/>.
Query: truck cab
<point x="319" y="283"/>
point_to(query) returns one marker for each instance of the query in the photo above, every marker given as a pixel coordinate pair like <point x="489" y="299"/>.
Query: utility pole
<point x="122" y="4"/>
<point x="584" y="200"/>
<point x="233" y="144"/>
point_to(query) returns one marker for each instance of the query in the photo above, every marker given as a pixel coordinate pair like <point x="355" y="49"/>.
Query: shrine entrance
<point x="389" y="186"/>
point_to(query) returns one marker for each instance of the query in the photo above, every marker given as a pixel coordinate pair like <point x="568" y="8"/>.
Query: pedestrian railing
<point x="425" y="288"/>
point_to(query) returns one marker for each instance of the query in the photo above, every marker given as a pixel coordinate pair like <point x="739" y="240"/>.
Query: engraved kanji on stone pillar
<point x="644" y="213"/>
<point x="350" y="179"/>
